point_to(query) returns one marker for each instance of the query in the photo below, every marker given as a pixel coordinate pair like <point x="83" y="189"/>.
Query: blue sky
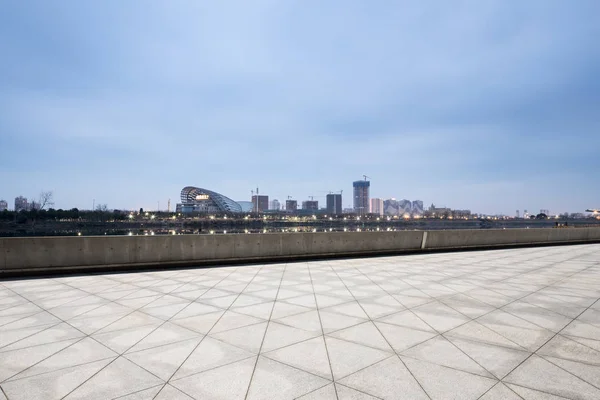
<point x="487" y="105"/>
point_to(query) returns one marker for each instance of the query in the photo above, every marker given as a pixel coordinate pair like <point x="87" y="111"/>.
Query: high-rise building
<point x="417" y="207"/>
<point x="291" y="205"/>
<point x="334" y="204"/>
<point x="21" y="204"/>
<point x="260" y="203"/>
<point x="3" y="205"/>
<point x="275" y="205"/>
<point x="377" y="206"/>
<point x="310" y="205"/>
<point x="361" y="197"/>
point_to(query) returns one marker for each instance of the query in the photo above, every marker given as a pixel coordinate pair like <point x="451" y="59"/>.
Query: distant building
<point x="275" y="205"/>
<point x="348" y="210"/>
<point x="377" y="206"/>
<point x="260" y="203"/>
<point x="199" y="200"/>
<point x="361" y="197"/>
<point x="291" y="205"/>
<point x="544" y="211"/>
<point x="34" y="205"/>
<point x="21" y="204"/>
<point x="461" y="213"/>
<point x="3" y="205"/>
<point x="246" y="206"/>
<point x="334" y="204"/>
<point x="395" y="207"/>
<point x="310" y="205"/>
<point x="417" y="207"/>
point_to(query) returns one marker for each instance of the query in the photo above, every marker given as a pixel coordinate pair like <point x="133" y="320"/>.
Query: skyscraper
<point x="275" y="205"/>
<point x="260" y="203"/>
<point x="377" y="206"/>
<point x="417" y="207"/>
<point x="361" y="197"/>
<point x="334" y="204"/>
<point x="291" y="205"/>
<point x="21" y="204"/>
<point x="3" y="205"/>
<point x="310" y="205"/>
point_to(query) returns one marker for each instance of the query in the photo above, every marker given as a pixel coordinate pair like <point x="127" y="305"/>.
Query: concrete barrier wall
<point x="65" y="253"/>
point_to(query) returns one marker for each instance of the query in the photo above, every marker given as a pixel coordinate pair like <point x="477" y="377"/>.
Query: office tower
<point x="310" y="205"/>
<point x="361" y="197"/>
<point x="417" y="207"/>
<point x="21" y="204"/>
<point x="275" y="205"/>
<point x="291" y="205"/>
<point x="260" y="203"/>
<point x="3" y="205"/>
<point x="377" y="206"/>
<point x="334" y="204"/>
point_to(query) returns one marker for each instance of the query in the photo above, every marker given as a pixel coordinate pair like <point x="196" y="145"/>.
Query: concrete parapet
<point x="56" y="254"/>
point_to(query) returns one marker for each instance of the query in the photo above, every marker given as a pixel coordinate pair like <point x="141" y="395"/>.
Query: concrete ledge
<point x="44" y="255"/>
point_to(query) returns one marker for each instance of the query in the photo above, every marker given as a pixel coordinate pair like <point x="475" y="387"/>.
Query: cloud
<point x="452" y="101"/>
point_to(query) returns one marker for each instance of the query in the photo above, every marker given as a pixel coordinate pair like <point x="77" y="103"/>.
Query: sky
<point x="485" y="105"/>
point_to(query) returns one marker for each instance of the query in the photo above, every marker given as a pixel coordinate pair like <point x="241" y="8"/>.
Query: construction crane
<point x="367" y="177"/>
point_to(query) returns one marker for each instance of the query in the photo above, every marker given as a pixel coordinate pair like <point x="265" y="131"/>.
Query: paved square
<point x="505" y="324"/>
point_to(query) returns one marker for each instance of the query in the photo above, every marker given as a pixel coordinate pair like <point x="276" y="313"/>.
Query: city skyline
<point x="487" y="106"/>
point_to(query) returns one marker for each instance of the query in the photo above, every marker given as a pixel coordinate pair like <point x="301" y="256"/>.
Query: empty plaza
<point x="503" y="324"/>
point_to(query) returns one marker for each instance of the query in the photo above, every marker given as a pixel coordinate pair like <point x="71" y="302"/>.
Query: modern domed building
<point x="199" y="200"/>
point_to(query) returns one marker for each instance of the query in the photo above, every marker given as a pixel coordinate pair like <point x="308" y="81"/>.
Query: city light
<point x="153" y="216"/>
<point x="130" y="216"/>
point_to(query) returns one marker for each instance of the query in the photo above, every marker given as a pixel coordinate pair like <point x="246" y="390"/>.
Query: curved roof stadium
<point x="204" y="200"/>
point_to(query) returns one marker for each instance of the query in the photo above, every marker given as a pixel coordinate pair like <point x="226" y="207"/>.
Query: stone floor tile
<point x="199" y="323"/>
<point x="194" y="309"/>
<point x="9" y="337"/>
<point x="122" y="340"/>
<point x="249" y="337"/>
<point x="366" y="334"/>
<point x="582" y="329"/>
<point x="586" y="372"/>
<point x="537" y="315"/>
<point x="476" y="332"/>
<point x="310" y="356"/>
<point x="347" y="357"/>
<point x="164" y="334"/>
<point x="53" y="385"/>
<point x="327" y="392"/>
<point x="273" y="380"/>
<point x="132" y="320"/>
<point x="539" y="374"/>
<point x="447" y="383"/>
<point x="308" y="321"/>
<point x="401" y="338"/>
<point x="324" y="300"/>
<point x="564" y="347"/>
<point x="531" y="394"/>
<point x="84" y="351"/>
<point x="346" y="393"/>
<point x="31" y="321"/>
<point x="145" y="394"/>
<point x="164" y="360"/>
<point x="500" y="392"/>
<point x="209" y="354"/>
<point x="279" y="336"/>
<point x="388" y="379"/>
<point x="496" y="359"/>
<point x="233" y="320"/>
<point x="119" y="378"/>
<point x="282" y="310"/>
<point x="442" y="352"/>
<point x="16" y="361"/>
<point x="351" y="309"/>
<point x="440" y="317"/>
<point x="593" y="344"/>
<point x="407" y="319"/>
<point x="55" y="333"/>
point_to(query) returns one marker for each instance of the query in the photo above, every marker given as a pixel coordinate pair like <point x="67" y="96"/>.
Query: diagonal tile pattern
<point x="504" y="324"/>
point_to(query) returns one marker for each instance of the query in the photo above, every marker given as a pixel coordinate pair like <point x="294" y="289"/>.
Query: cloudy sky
<point x="487" y="105"/>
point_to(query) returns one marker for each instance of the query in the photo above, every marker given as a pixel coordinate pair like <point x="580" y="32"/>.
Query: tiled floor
<point x="506" y="324"/>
